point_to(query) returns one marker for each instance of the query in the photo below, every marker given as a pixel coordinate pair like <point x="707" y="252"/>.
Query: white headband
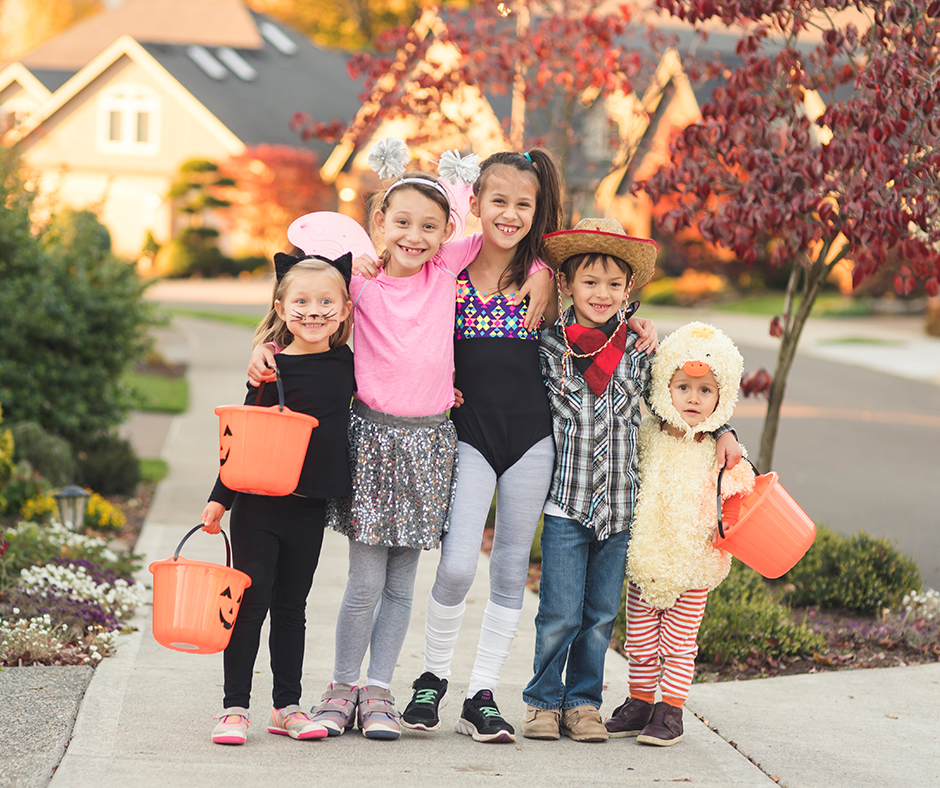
<point x="425" y="181"/>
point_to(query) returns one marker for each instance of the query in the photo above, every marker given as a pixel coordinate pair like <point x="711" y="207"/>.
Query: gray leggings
<point x="382" y="577"/>
<point x="520" y="495"/>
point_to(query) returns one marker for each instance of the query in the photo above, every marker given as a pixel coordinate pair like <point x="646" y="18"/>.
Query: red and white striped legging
<point x="663" y="642"/>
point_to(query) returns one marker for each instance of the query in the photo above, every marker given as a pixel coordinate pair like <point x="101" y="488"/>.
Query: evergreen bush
<point x="743" y="622"/>
<point x="862" y="573"/>
<point x="72" y="317"/>
<point x="50" y="455"/>
<point x="109" y="465"/>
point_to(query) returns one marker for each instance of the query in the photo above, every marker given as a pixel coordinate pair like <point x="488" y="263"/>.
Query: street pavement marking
<point x="756" y="410"/>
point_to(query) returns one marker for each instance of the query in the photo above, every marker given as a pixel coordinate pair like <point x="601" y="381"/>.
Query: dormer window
<point x="128" y="120"/>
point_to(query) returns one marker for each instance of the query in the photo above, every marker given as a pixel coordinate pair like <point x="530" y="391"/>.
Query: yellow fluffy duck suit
<point x="674" y="524"/>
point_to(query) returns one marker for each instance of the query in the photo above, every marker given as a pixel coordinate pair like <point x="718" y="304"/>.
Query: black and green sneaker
<point x="481" y="719"/>
<point x="430" y="695"/>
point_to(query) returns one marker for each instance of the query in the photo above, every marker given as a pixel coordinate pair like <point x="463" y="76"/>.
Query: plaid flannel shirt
<point x="595" y="477"/>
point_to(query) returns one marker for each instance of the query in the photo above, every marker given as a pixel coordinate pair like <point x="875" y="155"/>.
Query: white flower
<point x="459" y="171"/>
<point x="388" y="157"/>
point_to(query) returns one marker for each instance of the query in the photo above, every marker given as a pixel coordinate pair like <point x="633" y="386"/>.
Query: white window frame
<point x="130" y="101"/>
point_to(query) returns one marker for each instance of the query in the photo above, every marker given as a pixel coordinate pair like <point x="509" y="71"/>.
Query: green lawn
<point x="152" y="470"/>
<point x="770" y="304"/>
<point x="239" y="319"/>
<point x="158" y="393"/>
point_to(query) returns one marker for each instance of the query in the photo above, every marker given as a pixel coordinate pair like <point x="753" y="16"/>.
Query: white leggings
<point x="520" y="495"/>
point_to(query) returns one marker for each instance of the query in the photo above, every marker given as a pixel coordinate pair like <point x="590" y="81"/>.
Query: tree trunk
<point x="813" y="278"/>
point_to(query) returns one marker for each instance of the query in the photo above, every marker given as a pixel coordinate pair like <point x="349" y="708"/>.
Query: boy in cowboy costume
<point x="596" y="379"/>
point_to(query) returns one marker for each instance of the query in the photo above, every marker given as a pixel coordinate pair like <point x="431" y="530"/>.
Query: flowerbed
<point x="64" y="597"/>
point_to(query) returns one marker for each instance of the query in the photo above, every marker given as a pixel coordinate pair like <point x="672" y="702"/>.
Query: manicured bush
<point x="109" y="465"/>
<point x="72" y="317"/>
<point x="861" y="573"/>
<point x="742" y="622"/>
<point x="22" y="485"/>
<point x="50" y="455"/>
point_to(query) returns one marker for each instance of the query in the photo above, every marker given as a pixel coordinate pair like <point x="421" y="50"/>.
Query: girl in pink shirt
<point x="402" y="446"/>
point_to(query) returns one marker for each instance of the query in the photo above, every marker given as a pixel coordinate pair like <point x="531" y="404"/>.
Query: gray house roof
<point x="255" y="72"/>
<point x="258" y="109"/>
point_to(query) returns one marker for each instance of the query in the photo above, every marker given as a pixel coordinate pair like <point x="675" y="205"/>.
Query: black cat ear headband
<point x="284" y="262"/>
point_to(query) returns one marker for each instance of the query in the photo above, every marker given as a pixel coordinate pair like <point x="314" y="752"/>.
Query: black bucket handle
<point x="280" y="389"/>
<point x="721" y="530"/>
<point x="228" y="546"/>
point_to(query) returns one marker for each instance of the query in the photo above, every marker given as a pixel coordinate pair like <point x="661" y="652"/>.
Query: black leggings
<point x="276" y="542"/>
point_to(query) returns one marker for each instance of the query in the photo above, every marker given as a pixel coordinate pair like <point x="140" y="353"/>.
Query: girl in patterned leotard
<point x="504" y="432"/>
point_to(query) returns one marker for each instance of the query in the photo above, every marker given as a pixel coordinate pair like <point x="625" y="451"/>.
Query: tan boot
<point x="540" y="723"/>
<point x="583" y="723"/>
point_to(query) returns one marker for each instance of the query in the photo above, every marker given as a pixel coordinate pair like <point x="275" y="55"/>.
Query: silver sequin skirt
<point x="404" y="474"/>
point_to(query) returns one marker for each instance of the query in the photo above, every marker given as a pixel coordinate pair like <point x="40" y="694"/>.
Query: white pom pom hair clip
<point x="459" y="170"/>
<point x="389" y="157"/>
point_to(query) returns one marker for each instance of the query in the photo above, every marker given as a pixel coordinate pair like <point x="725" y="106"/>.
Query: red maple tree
<point x="859" y="182"/>
<point x="558" y="63"/>
<point x="275" y="185"/>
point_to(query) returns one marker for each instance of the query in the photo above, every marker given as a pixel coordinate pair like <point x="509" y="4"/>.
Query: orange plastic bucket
<point x="195" y="602"/>
<point x="766" y="529"/>
<point x="262" y="450"/>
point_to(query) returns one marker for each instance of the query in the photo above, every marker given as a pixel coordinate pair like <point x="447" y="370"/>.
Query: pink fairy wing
<point x="331" y="235"/>
<point x="459" y="197"/>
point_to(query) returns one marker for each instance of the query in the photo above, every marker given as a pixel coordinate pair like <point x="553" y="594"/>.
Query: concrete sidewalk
<point x="145" y="719"/>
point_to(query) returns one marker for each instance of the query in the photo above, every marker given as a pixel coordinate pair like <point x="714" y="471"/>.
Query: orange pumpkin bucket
<point x="262" y="450"/>
<point x="766" y="529"/>
<point x="195" y="602"/>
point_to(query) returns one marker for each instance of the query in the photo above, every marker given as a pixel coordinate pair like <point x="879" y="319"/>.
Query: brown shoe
<point x="665" y="729"/>
<point x="540" y="723"/>
<point x="583" y="723"/>
<point x="629" y="718"/>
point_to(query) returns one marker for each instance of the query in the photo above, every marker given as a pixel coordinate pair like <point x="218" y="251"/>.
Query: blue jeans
<point x="579" y="597"/>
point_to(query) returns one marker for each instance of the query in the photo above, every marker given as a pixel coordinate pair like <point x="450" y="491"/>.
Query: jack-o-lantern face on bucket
<point x="225" y="447"/>
<point x="229" y="622"/>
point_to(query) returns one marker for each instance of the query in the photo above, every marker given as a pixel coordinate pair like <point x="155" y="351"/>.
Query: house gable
<point x="193" y="22"/>
<point x="125" y="56"/>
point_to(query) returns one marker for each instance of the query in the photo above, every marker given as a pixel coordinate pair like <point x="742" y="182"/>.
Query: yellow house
<point x="107" y="111"/>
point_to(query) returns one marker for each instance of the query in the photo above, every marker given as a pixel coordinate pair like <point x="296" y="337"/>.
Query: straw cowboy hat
<point x="603" y="236"/>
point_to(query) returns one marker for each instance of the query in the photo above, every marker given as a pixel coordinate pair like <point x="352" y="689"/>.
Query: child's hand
<point x="261" y="366"/>
<point x="366" y="266"/>
<point x="458" y="398"/>
<point x="212" y="517"/>
<point x="540" y="289"/>
<point x="649" y="339"/>
<point x="729" y="451"/>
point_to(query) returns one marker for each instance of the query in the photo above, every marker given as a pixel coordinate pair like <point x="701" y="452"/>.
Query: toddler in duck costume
<point x="672" y="563"/>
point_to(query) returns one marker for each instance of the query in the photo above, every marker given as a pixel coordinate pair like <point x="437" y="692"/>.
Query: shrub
<point x="861" y="573"/>
<point x="23" y="485"/>
<point x="101" y="515"/>
<point x="72" y="317"/>
<point x="743" y="623"/>
<point x="50" y="455"/>
<point x="109" y="465"/>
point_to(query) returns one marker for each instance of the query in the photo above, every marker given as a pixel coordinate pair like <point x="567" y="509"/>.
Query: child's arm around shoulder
<point x="540" y="289"/>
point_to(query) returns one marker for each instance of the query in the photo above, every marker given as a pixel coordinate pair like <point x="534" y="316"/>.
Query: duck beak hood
<point x="696" y="348"/>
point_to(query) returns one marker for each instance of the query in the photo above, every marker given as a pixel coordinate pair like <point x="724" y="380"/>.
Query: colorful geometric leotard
<point x="505" y="410"/>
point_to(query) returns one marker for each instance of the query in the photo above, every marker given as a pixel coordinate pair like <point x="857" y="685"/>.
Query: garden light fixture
<point x="72" y="500"/>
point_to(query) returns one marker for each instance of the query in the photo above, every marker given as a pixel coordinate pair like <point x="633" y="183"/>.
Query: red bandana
<point x="597" y="369"/>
